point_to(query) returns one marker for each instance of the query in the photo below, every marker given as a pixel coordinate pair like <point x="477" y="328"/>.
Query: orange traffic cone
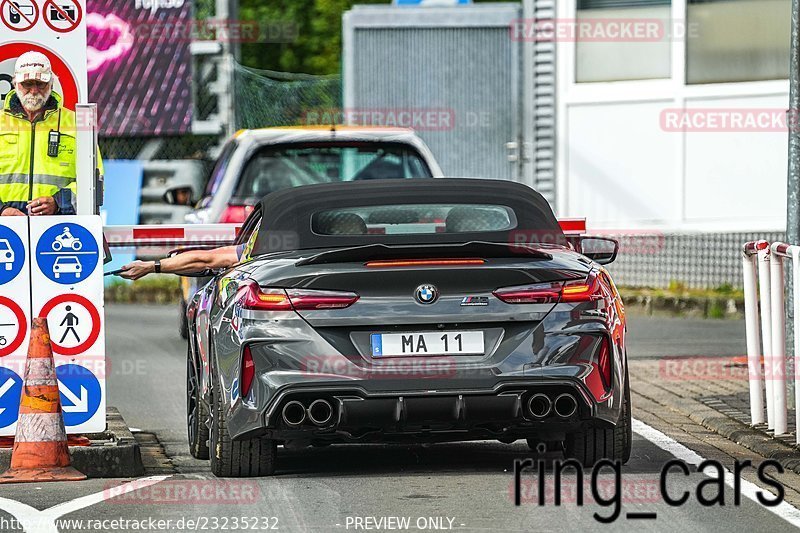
<point x="40" y="450"/>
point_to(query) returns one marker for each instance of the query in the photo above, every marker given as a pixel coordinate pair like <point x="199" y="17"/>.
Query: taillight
<point x="254" y="297"/>
<point x="248" y="372"/>
<point x="304" y="299"/>
<point x="544" y="293"/>
<point x="235" y="214"/>
<point x="582" y="291"/>
<point x="264" y="299"/>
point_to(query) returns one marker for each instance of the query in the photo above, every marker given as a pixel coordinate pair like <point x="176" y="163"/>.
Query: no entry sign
<point x="56" y="28"/>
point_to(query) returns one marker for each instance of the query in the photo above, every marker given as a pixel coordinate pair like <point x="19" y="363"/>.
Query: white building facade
<point x="680" y="133"/>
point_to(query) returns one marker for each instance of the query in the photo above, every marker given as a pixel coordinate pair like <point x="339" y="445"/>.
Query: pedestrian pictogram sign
<point x="19" y="15"/>
<point x="74" y="323"/>
<point x="62" y="16"/>
<point x="10" y="390"/>
<point x="81" y="394"/>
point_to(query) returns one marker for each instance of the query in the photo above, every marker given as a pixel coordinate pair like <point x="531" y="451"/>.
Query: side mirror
<point x="601" y="250"/>
<point x="179" y="196"/>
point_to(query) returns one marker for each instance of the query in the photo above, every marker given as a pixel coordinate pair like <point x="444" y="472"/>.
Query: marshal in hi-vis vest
<point x="27" y="171"/>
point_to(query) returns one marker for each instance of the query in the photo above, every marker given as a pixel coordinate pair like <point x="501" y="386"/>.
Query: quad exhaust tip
<point x="539" y="405"/>
<point x="320" y="412"/>
<point x="294" y="413"/>
<point x="565" y="405"/>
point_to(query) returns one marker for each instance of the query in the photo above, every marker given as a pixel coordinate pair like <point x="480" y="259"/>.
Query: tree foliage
<point x="311" y="31"/>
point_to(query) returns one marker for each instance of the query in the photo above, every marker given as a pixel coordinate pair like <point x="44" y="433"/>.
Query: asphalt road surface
<point x="459" y="487"/>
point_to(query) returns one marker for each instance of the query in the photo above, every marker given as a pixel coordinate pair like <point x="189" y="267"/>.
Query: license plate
<point x="431" y="343"/>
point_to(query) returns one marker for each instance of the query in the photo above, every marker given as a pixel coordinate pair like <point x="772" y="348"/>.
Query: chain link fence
<point x="695" y="260"/>
<point x="266" y="98"/>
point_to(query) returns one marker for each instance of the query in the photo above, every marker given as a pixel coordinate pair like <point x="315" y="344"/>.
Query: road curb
<point x="114" y="453"/>
<point x="752" y="439"/>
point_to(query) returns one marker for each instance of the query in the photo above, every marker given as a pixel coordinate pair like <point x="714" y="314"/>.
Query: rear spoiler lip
<point x="372" y="252"/>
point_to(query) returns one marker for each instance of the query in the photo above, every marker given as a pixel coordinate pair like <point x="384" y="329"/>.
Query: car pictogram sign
<point x="67" y="253"/>
<point x="62" y="16"/>
<point x="19" y="15"/>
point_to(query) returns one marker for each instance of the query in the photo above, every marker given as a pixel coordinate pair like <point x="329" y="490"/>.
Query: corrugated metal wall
<point x="544" y="105"/>
<point x="461" y="59"/>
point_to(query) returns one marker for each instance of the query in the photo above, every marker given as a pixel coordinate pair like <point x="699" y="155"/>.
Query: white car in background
<point x="255" y="163"/>
<point x="6" y="254"/>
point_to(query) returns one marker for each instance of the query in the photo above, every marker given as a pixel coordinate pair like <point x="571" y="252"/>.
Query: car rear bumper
<point x="544" y="409"/>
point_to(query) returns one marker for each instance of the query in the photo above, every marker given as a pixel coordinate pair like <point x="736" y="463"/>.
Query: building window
<point x="620" y="40"/>
<point x="737" y="40"/>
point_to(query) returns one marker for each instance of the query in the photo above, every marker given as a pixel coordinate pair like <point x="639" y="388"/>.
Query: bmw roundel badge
<point x="426" y="294"/>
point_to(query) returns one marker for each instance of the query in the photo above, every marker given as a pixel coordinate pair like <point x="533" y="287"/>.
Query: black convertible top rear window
<point x="413" y="219"/>
<point x="404" y="212"/>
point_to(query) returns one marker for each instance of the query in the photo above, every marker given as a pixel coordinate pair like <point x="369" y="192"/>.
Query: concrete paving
<point x="462" y="487"/>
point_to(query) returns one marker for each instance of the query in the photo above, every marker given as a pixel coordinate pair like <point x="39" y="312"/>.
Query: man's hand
<point x="11" y="212"/>
<point x="137" y="269"/>
<point x="46" y="205"/>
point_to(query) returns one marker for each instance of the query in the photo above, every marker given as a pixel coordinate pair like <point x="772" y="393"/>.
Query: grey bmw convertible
<point x="407" y="311"/>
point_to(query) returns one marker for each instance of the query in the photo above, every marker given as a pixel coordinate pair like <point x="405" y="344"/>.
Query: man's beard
<point x="35" y="102"/>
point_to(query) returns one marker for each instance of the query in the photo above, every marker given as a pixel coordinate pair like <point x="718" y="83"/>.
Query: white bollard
<point x="766" y="334"/>
<point x="775" y="360"/>
<point x="754" y="340"/>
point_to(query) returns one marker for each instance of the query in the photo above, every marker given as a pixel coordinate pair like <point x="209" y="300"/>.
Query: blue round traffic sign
<point x="10" y="392"/>
<point x="80" y="393"/>
<point x="67" y="253"/>
<point x="12" y="255"/>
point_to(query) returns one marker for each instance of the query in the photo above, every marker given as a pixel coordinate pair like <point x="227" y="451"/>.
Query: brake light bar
<point x="551" y="293"/>
<point x="257" y="298"/>
<point x="396" y="263"/>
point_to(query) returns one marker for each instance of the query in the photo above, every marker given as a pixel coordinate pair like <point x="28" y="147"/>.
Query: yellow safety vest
<point x="26" y="169"/>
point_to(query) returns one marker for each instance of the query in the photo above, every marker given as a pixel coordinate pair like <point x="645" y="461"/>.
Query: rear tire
<point x="595" y="444"/>
<point x="240" y="458"/>
<point x="196" y="413"/>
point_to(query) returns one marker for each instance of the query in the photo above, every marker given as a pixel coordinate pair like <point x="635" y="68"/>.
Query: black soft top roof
<point x="287" y="214"/>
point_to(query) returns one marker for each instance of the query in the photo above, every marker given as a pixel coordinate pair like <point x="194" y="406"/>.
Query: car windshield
<point x="282" y="167"/>
<point x="4" y="245"/>
<point x="68" y="260"/>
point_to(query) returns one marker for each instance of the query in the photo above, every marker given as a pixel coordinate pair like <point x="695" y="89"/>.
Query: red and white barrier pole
<point x="766" y="328"/>
<point x="163" y="235"/>
<point x="775" y="360"/>
<point x="751" y="320"/>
